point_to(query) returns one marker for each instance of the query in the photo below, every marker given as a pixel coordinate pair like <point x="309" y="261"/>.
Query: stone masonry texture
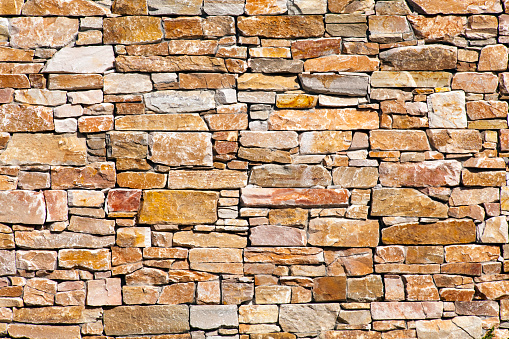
<point x="254" y="169"/>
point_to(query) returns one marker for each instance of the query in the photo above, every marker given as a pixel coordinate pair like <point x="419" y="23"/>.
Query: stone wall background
<point x="253" y="169"/>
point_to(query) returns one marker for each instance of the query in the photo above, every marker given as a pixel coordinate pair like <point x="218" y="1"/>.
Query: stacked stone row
<point x="254" y="169"/>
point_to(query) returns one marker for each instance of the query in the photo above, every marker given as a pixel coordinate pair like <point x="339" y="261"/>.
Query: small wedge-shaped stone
<point x="22" y="207"/>
<point x="351" y="84"/>
<point x="47" y="240"/>
<point x="420" y="174"/>
<point x="410" y="79"/>
<point x="161" y="122"/>
<point x="342" y="63"/>
<point x="338" y="232"/>
<point x="455" y="141"/>
<point x="45" y="149"/>
<point x="63" y="8"/>
<point x="180" y="149"/>
<point x="25" y="118"/>
<point x="447" y="232"/>
<point x="289" y="176"/>
<point x="33" y="32"/>
<point x="420" y="58"/>
<point x="149" y="64"/>
<point x="156" y="319"/>
<point x="405" y="202"/>
<point x="324" y="119"/>
<point x="132" y="30"/>
<point x="90" y="59"/>
<point x="447" y="110"/>
<point x="294" y="197"/>
<point x="181" y="207"/>
<point x="457" y="7"/>
<point x="180" y="101"/>
<point x="287" y="27"/>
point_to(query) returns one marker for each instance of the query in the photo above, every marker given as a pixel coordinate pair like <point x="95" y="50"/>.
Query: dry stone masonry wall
<point x="254" y="169"/>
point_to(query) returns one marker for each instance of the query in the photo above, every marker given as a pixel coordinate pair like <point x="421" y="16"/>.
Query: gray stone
<point x="7" y="262"/>
<point x="223" y="7"/>
<point x="267" y="65"/>
<point x="117" y="83"/>
<point x="351" y="84"/>
<point x="174" y="7"/>
<point x="90" y="59"/>
<point x="180" y="101"/>
<point x="420" y="58"/>
<point x="207" y="317"/>
<point x="308" y="318"/>
<point x="290" y="176"/>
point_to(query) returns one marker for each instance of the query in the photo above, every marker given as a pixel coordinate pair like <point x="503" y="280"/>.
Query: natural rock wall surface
<point x="254" y="169"/>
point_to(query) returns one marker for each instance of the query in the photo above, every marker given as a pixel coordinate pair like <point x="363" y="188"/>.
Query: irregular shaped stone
<point x="206" y="80"/>
<point x="213" y="239"/>
<point x="75" y="81"/>
<point x="180" y="101"/>
<point x="174" y="7"/>
<point x="405" y="202"/>
<point x="355" y="177"/>
<point x="458" y="327"/>
<point x="324" y="142"/>
<point x="455" y="141"/>
<point x="440" y="233"/>
<point x="484" y="178"/>
<point x="223" y="7"/>
<point x="150" y="64"/>
<point x="447" y="110"/>
<point x="44" y="97"/>
<point x="96" y="175"/>
<point x="177" y="294"/>
<point x="277" y="236"/>
<point x="264" y="7"/>
<point x="454" y="7"/>
<point x="410" y="79"/>
<point x="323" y="119"/>
<point x="493" y="290"/>
<point x="398" y="140"/>
<point x="350" y="84"/>
<point x="420" y="58"/>
<point x="36" y="260"/>
<point x="156" y="319"/>
<point x="134" y="237"/>
<point x="473" y="196"/>
<point x="273" y="294"/>
<point x="493" y="58"/>
<point x="23" y="207"/>
<point x="44" y="331"/>
<point x="215" y="179"/>
<point x="342" y="63"/>
<point x="472" y="82"/>
<point x="308" y="318"/>
<point x="95" y="260"/>
<point x="63" y="8"/>
<point x="258" y="314"/>
<point x="183" y="207"/>
<point x="406" y="310"/>
<point x="304" y="49"/>
<point x="269" y="139"/>
<point x="338" y="232"/>
<point x="438" y="28"/>
<point x="289" y="176"/>
<point x="161" y="122"/>
<point x="89" y="59"/>
<point x="104" y="292"/>
<point x="25" y="118"/>
<point x="33" y="32"/>
<point x="288" y="27"/>
<point x="495" y="230"/>
<point x="132" y="29"/>
<point x="420" y="174"/>
<point x="47" y="240"/>
<point x="477" y="110"/>
<point x="347" y="6"/>
<point x="288" y="197"/>
<point x="177" y="149"/>
<point x="471" y="253"/>
<point x="130" y="7"/>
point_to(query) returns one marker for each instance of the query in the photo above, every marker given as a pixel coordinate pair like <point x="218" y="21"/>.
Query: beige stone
<point x="343" y="232"/>
<point x="355" y="177"/>
<point x="323" y="142"/>
<point x="195" y="63"/>
<point x="421" y="174"/>
<point x="420" y="58"/>
<point x="420" y="287"/>
<point x="282" y="26"/>
<point x="33" y="32"/>
<point x="50" y="315"/>
<point x="289" y="176"/>
<point x="215" y="179"/>
<point x="141" y="180"/>
<point x="475" y="82"/>
<point x="399" y="140"/>
<point x="324" y="119"/>
<point x="213" y="239"/>
<point x="493" y="58"/>
<point x="454" y="7"/>
<point x="96" y="175"/>
<point x="104" y="292"/>
<point x="63" y="8"/>
<point x="342" y="63"/>
<point x="410" y="79"/>
<point x="177" y="149"/>
<point x="405" y="202"/>
<point x="438" y="28"/>
<point x="44" y="331"/>
<point x="161" y="122"/>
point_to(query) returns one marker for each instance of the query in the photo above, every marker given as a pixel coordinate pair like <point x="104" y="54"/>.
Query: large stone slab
<point x="342" y="63"/>
<point x="447" y="110"/>
<point x="45" y="149"/>
<point x="438" y="28"/>
<point x="215" y="179"/>
<point x="406" y="310"/>
<point x="287" y="27"/>
<point x="458" y="327"/>
<point x="63" y="8"/>
<point x="338" y="232"/>
<point x="420" y="174"/>
<point x="23" y="207"/>
<point x="269" y="139"/>
<point x="284" y="255"/>
<point x="289" y="176"/>
<point x="180" y="207"/>
<point x="322" y="142"/>
<point x="94" y="260"/>
<point x="161" y="122"/>
<point x="475" y="82"/>
<point x="126" y="320"/>
<point x="180" y="101"/>
<point x="149" y="64"/>
<point x="410" y="79"/>
<point x="132" y="30"/>
<point x="181" y="149"/>
<point x="405" y="202"/>
<point x="89" y="59"/>
<point x="11" y="7"/>
<point x="258" y="81"/>
<point x="473" y="196"/>
<point x="455" y="140"/>
<point x="25" y="118"/>
<point x="294" y="197"/>
<point x="440" y="233"/>
<point x="44" y="331"/>
<point x="47" y="240"/>
<point x="457" y="7"/>
<point x="308" y="318"/>
<point x="351" y="84"/>
<point x="208" y="317"/>
<point x="420" y="58"/>
<point x="399" y="140"/>
<point x="324" y="119"/>
<point x="213" y="239"/>
<point x="33" y="32"/>
<point x="51" y="315"/>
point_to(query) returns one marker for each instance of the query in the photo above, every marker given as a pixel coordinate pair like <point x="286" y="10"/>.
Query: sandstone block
<point x="447" y="110"/>
<point x="46" y="240"/>
<point x="161" y="122"/>
<point x="115" y="83"/>
<point x="288" y="197"/>
<point x="213" y="239"/>
<point x="282" y="26"/>
<point x="405" y="202"/>
<point x="475" y="82"/>
<point x="180" y="101"/>
<point x="406" y="310"/>
<point x="134" y="237"/>
<point x="89" y="59"/>
<point x="174" y="7"/>
<point x="355" y="177"/>
<point x="289" y="176"/>
<point x="91" y="225"/>
<point x="308" y="318"/>
<point x="420" y="174"/>
<point x="8" y="262"/>
<point x="51" y="315"/>
<point x="350" y="84"/>
<point x="455" y="141"/>
<point x="329" y="288"/>
<point x="132" y="29"/>
<point x="458" y="327"/>
<point x="270" y="139"/>
<point x="420" y="58"/>
<point x="277" y="236"/>
<point x="24" y="207"/>
<point x="453" y="7"/>
<point x="399" y="140"/>
<point x="141" y="180"/>
<point x="194" y="63"/>
<point x="43" y="331"/>
<point x="33" y="32"/>
<point x="177" y="149"/>
<point x="273" y="294"/>
<point x="224" y="179"/>
<point x="324" y="142"/>
<point x="104" y="292"/>
<point x="96" y="260"/>
<point x="25" y="118"/>
<point x="410" y="79"/>
<point x="258" y="314"/>
<point x="209" y="317"/>
<point x="338" y="232"/>
<point x="438" y="28"/>
<point x="96" y="175"/>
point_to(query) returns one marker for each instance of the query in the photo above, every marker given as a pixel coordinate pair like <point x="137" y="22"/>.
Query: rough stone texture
<point x="32" y="32"/>
<point x="91" y="59"/>
<point x="343" y="232"/>
<point x="282" y="26"/>
<point x="177" y="149"/>
<point x="405" y="202"/>
<point x="338" y="84"/>
<point x="180" y="101"/>
<point x="132" y="29"/>
<point x="420" y="58"/>
<point x="308" y="318"/>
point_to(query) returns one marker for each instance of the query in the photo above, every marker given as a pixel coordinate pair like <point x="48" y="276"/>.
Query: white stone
<point x="120" y="83"/>
<point x="68" y="125"/>
<point x="226" y="96"/>
<point x="207" y="317"/>
<point x="91" y="97"/>
<point x="90" y="59"/>
<point x="35" y="96"/>
<point x="68" y="111"/>
<point x="180" y="101"/>
<point x="447" y="110"/>
<point x="495" y="230"/>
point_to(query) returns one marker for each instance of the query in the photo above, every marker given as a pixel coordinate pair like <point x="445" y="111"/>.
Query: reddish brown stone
<point x="277" y="236"/>
<point x="287" y="27"/>
<point x="286" y="197"/>
<point x="25" y="118"/>
<point x="97" y="175"/>
<point x="122" y="200"/>
<point x="329" y="289"/>
<point x="306" y="49"/>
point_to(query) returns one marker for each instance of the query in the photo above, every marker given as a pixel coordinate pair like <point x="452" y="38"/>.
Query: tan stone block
<point x="265" y="7"/>
<point x="96" y="175"/>
<point x="342" y="63"/>
<point x="188" y="211"/>
<point x="225" y="122"/>
<point x="484" y="178"/>
<point x="161" y="122"/>
<point x="24" y="207"/>
<point x="329" y="289"/>
<point x="493" y="290"/>
<point x="130" y="7"/>
<point x="177" y="149"/>
<point x="410" y="79"/>
<point x="213" y="239"/>
<point x="94" y="124"/>
<point x="293" y="197"/>
<point x="134" y="237"/>
<point x="389" y="140"/>
<point x="140" y="294"/>
<point x="169" y="64"/>
<point x="493" y="58"/>
<point x="454" y="7"/>
<point x="192" y="47"/>
<point x="355" y="177"/>
<point x="421" y="174"/>
<point x="282" y="26"/>
<point x="323" y="119"/>
<point x="91" y="225"/>
<point x="41" y="331"/>
<point x="486" y="109"/>
<point x="32" y="32"/>
<point x="284" y="255"/>
<point x="304" y="49"/>
<point x="210" y="80"/>
<point x="63" y="8"/>
<point x="296" y="101"/>
<point x="215" y="179"/>
<point x="26" y="118"/>
<point x="452" y="294"/>
<point x="424" y="254"/>
<point x="495" y="230"/>
<point x="96" y="260"/>
<point x="288" y="217"/>
<point x="420" y="287"/>
<point x="475" y="82"/>
<point x="257" y="81"/>
<point x="132" y="29"/>
<point x="273" y="294"/>
<point x="419" y="58"/>
<point x="343" y="232"/>
<point x="177" y="294"/>
<point x="39" y="292"/>
<point x="471" y="253"/>
<point x="141" y="180"/>
<point x="438" y="28"/>
<point x="208" y="292"/>
<point x="369" y="288"/>
<point x="455" y="141"/>
<point x="289" y="176"/>
<point x="50" y="315"/>
<point x="277" y="236"/>
<point x="104" y="292"/>
<point x="11" y="7"/>
<point x="264" y="155"/>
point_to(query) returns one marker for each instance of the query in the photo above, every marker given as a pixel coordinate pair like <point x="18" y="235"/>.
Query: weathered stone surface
<point x="406" y="310"/>
<point x="174" y="7"/>
<point x="213" y="316"/>
<point x="471" y="253"/>
<point x="351" y="84"/>
<point x="195" y="63"/>
<point x="342" y="63"/>
<point x="126" y="83"/>
<point x="263" y="65"/>
<point x="355" y="177"/>
<point x="24" y="207"/>
<point x="224" y="179"/>
<point x="161" y="122"/>
<point x="440" y="233"/>
<point x="324" y="142"/>
<point x="75" y="81"/>
<point x="96" y="175"/>
<point x="474" y="196"/>
<point x="90" y="59"/>
<point x="177" y="149"/>
<point x="329" y="288"/>
<point x="44" y="331"/>
<point x="126" y="320"/>
<point x="486" y="109"/>
<point x="36" y="260"/>
<point x="278" y="140"/>
<point x="447" y="110"/>
<point x="455" y="141"/>
<point x="51" y="315"/>
<point x="438" y="28"/>
<point x="458" y="327"/>
<point x="369" y="288"/>
<point x="11" y="7"/>
<point x="288" y="197"/>
<point x="290" y="176"/>
<point x="274" y="294"/>
<point x="104" y="292"/>
<point x="32" y="32"/>
<point x="8" y="262"/>
<point x="405" y="202"/>
<point x="399" y="140"/>
<point x="495" y="231"/>
<point x="180" y="101"/>
<point x="493" y="58"/>
<point x="182" y="207"/>
<point x="420" y="58"/>
<point x="213" y="239"/>
<point x="410" y="79"/>
<point x="308" y="318"/>
<point x="47" y="240"/>
<point x="44" y="97"/>
<point x="287" y="27"/>
<point x="454" y="7"/>
<point x="132" y="29"/>
<point x="304" y="49"/>
<point x="91" y="225"/>
<point x="475" y="82"/>
<point x="63" y="8"/>
<point x="177" y="294"/>
<point x="95" y="260"/>
<point x="25" y="118"/>
<point x="343" y="232"/>
<point x="277" y="236"/>
<point x="258" y="314"/>
<point x="421" y="174"/>
<point x="324" y="119"/>
<point x="284" y="255"/>
<point x="257" y="81"/>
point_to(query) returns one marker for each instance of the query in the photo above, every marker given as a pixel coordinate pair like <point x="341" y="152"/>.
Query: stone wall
<point x="254" y="169"/>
